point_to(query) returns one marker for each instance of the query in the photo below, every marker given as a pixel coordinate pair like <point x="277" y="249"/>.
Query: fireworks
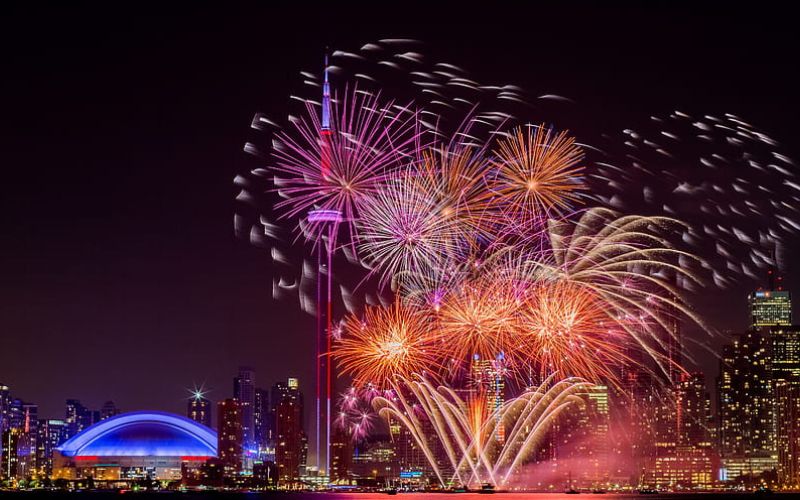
<point x="474" y="237"/>
<point x="537" y="174"/>
<point x="465" y="430"/>
<point x="628" y="264"/>
<point x="387" y="343"/>
<point x="403" y="230"/>
<point x="478" y="320"/>
<point x="339" y="169"/>
<point x="567" y="330"/>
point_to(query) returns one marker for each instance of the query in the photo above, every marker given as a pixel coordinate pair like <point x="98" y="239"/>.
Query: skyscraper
<point x="770" y="308"/>
<point x="244" y="392"/>
<point x="229" y="436"/>
<point x="5" y="405"/>
<point x="108" y="410"/>
<point x="684" y="455"/>
<point x="785" y="343"/>
<point x="8" y="467"/>
<point x="5" y="408"/>
<point x="341" y="455"/>
<point x="198" y="409"/>
<point x="26" y="445"/>
<point x="695" y="425"/>
<point x="488" y="378"/>
<point x="290" y="437"/>
<point x="263" y="425"/>
<point x="787" y="403"/>
<point x="51" y="434"/>
<point x="746" y="406"/>
<point x="77" y="417"/>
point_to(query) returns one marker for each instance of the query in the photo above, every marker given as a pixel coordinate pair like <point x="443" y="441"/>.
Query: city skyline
<point x="685" y="440"/>
<point x="247" y="258"/>
<point x="216" y="302"/>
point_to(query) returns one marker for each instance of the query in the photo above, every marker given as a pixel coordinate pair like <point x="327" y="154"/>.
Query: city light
<point x="438" y="280"/>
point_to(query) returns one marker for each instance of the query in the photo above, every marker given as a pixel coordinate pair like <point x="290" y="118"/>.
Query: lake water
<point x="360" y="496"/>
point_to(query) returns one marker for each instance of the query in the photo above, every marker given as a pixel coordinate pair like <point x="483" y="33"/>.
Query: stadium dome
<point x="143" y="434"/>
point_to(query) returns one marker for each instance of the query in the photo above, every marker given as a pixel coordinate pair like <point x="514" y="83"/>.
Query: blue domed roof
<point x="139" y="434"/>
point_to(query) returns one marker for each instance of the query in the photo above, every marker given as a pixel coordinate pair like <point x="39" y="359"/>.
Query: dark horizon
<point x="123" y="277"/>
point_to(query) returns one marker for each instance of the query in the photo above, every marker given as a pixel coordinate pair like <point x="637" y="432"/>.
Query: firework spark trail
<point x="465" y="428"/>
<point x="719" y="173"/>
<point x="626" y="263"/>
<point x="478" y="319"/>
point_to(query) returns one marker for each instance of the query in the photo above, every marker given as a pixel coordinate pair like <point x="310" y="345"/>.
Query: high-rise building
<point x="51" y="434"/>
<point x="230" y="436"/>
<point x="5" y="408"/>
<point x="746" y="432"/>
<point x="244" y="392"/>
<point x="785" y="344"/>
<point x="488" y="378"/>
<point x="198" y="409"/>
<point x="16" y="414"/>
<point x="77" y="417"/>
<point x="674" y="345"/>
<point x="290" y="436"/>
<point x="8" y="467"/>
<point x="598" y="452"/>
<point x="5" y="405"/>
<point x="770" y="308"/>
<point x="263" y="425"/>
<point x="26" y="445"/>
<point x="108" y="410"/>
<point x="695" y="425"/>
<point x="787" y="409"/>
<point x="341" y="455"/>
<point x="685" y="458"/>
<point x="582" y="437"/>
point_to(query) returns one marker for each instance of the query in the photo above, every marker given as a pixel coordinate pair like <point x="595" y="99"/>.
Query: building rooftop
<point x="143" y="434"/>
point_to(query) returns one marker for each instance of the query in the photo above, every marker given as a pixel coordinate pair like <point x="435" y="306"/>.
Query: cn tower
<point x="324" y="225"/>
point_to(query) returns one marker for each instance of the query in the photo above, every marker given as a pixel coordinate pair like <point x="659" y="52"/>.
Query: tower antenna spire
<point x="326" y="98"/>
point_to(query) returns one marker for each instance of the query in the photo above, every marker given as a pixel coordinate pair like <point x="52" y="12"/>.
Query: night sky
<point x="122" y="131"/>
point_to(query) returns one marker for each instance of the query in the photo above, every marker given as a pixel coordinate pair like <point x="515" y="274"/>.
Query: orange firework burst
<point x="389" y="342"/>
<point x="537" y="173"/>
<point x="568" y="331"/>
<point x="454" y="177"/>
<point x="478" y="319"/>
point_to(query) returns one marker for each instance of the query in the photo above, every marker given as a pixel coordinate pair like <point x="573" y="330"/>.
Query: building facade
<point x="770" y="308"/>
<point x="244" y="391"/>
<point x="198" y="409"/>
<point x="230" y="435"/>
<point x="746" y="405"/>
<point x="290" y="442"/>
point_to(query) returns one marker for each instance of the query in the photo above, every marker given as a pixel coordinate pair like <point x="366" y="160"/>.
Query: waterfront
<point x="105" y="495"/>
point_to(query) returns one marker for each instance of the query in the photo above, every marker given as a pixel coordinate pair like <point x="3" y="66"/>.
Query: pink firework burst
<point x="337" y="169"/>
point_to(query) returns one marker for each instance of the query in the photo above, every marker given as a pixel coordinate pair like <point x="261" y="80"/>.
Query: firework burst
<point x="538" y="174"/>
<point x="479" y="319"/>
<point x="386" y="343"/>
<point x="566" y="330"/>
<point x="404" y="230"/>
<point x="340" y="168"/>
